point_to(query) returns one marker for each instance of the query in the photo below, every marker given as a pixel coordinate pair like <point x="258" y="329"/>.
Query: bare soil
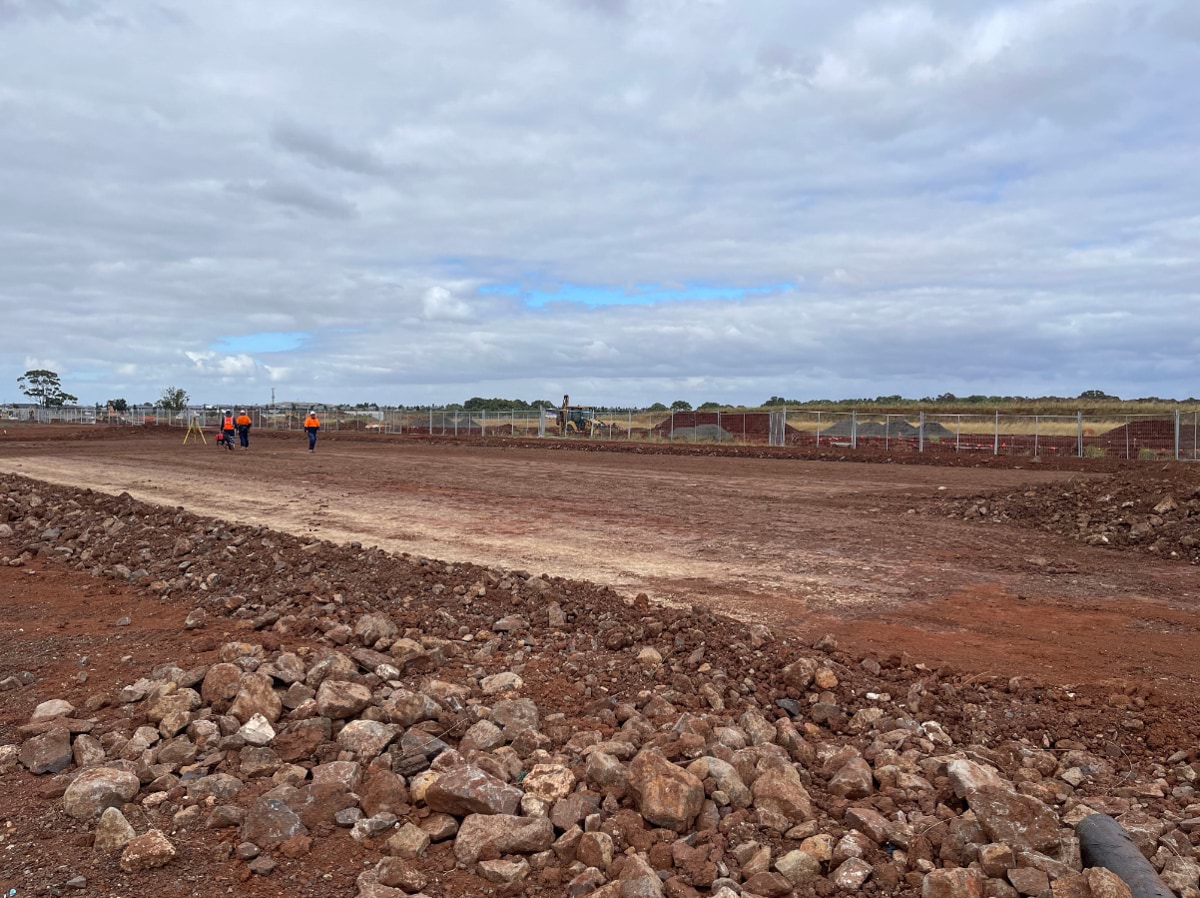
<point x="816" y="545"/>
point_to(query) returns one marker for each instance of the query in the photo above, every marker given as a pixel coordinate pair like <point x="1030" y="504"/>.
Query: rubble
<point x="1149" y="510"/>
<point x="517" y="732"/>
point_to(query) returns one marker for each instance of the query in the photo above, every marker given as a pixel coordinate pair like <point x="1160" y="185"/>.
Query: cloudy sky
<point x="629" y="200"/>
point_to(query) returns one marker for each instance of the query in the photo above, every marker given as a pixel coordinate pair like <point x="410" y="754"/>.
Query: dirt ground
<point x="819" y="545"/>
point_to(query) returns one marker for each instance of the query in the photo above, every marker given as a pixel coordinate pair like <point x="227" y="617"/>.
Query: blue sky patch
<point x="638" y="295"/>
<point x="264" y="341"/>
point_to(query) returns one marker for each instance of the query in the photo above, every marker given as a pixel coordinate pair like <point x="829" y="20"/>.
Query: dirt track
<point x="823" y="545"/>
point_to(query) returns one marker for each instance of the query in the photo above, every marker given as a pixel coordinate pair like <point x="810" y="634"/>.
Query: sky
<point x="627" y="200"/>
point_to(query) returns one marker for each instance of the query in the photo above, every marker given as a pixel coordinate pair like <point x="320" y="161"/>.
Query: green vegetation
<point x="44" y="388"/>
<point x="173" y="399"/>
<point x="478" y="403"/>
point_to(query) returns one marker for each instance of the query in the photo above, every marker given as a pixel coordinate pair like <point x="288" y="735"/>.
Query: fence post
<point x="1176" y="434"/>
<point x="629" y="428"/>
<point x="996" y="439"/>
<point x="921" y="433"/>
<point x="1035" y="436"/>
<point x="957" y="433"/>
<point x="672" y="437"/>
<point x="854" y="428"/>
<point x="1079" y="417"/>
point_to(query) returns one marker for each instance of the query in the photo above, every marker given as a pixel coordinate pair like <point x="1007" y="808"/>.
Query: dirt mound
<point x="1147" y="511"/>
<point x="453" y="730"/>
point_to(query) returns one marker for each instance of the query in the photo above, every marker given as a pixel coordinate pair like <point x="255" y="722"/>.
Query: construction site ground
<point x="821" y="546"/>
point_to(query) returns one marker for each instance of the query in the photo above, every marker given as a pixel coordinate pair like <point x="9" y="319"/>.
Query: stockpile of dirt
<point x="468" y="731"/>
<point x="750" y="427"/>
<point x="1147" y="511"/>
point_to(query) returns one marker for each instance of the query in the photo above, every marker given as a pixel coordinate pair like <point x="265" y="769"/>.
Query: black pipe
<point x="1104" y="843"/>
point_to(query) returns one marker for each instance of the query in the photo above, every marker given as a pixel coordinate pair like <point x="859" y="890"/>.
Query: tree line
<point x="44" y="387"/>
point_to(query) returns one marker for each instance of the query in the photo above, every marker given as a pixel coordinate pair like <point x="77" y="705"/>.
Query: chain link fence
<point x="1146" y="437"/>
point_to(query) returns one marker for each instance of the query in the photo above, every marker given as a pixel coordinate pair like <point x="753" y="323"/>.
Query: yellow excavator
<point x="574" y="420"/>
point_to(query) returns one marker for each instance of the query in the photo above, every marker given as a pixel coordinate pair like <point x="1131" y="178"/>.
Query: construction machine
<point x="580" y="419"/>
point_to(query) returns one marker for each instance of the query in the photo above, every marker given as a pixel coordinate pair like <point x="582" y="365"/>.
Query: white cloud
<point x="439" y="304"/>
<point x="1016" y="176"/>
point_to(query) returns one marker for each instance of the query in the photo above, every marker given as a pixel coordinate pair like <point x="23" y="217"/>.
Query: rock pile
<point x="1152" y="511"/>
<point x="529" y="736"/>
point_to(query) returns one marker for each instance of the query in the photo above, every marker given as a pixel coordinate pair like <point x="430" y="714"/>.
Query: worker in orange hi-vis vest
<point x="227" y="429"/>
<point x="311" y="426"/>
<point x="243" y="428"/>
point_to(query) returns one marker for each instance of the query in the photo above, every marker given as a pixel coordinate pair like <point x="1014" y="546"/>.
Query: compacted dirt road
<point x="825" y="546"/>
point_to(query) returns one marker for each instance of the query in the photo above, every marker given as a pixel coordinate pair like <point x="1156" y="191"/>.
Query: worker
<point x="227" y="429"/>
<point x="243" y="428"/>
<point x="311" y="426"/>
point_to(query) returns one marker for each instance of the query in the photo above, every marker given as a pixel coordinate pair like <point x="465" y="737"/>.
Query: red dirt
<point x="818" y="546"/>
<point x="51" y="619"/>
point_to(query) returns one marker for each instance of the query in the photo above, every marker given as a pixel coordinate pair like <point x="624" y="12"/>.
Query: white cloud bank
<point x="993" y="197"/>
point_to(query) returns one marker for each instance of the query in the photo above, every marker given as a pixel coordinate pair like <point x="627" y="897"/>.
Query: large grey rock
<point x="666" y="794"/>
<point x="220" y="686"/>
<point x="257" y="731"/>
<point x="501" y="682"/>
<point x="256" y="695"/>
<point x="94" y="791"/>
<point x="341" y="699"/>
<point x="549" y="782"/>
<point x="367" y="738"/>
<point x="370" y="628"/>
<point x="504" y="833"/>
<point x="147" y="852"/>
<point x="270" y="822"/>
<point x="779" y="789"/>
<point x="853" y="780"/>
<point x="48" y="710"/>
<point x="468" y="790"/>
<point x="48" y="753"/>
<point x="113" y="832"/>
<point x="410" y="708"/>
<point x="408" y="841"/>
<point x="851" y="874"/>
<point x="1006" y="815"/>
<point x="798" y="867"/>
<point x="514" y="715"/>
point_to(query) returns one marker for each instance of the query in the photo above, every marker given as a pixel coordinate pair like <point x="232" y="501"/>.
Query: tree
<point x="1096" y="394"/>
<point x="708" y="407"/>
<point x="174" y="399"/>
<point x="681" y="405"/>
<point x="119" y="405"/>
<point x="658" y="407"/>
<point x="44" y="388"/>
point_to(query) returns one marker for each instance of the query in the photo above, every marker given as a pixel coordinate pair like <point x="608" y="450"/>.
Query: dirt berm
<point x="1154" y="510"/>
<point x="342" y="721"/>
